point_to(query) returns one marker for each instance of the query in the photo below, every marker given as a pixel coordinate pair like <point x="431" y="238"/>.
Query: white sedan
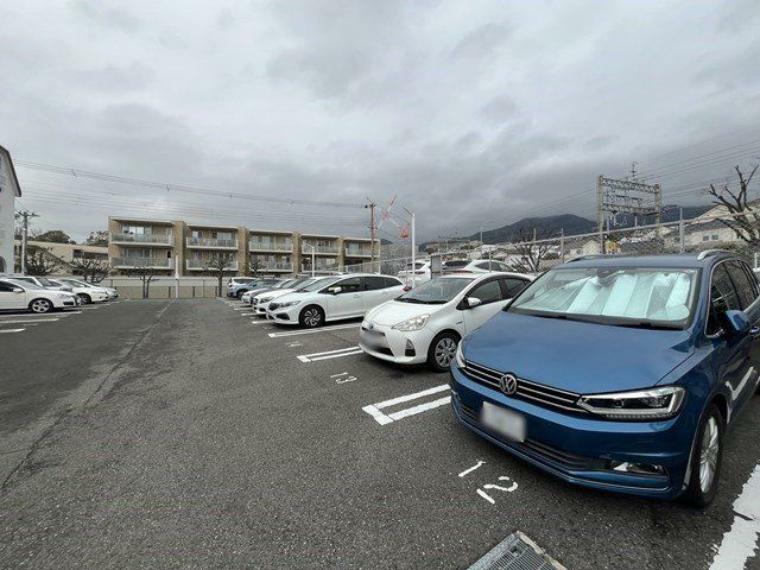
<point x="261" y="301"/>
<point x="24" y="295"/>
<point x="334" y="299"/>
<point x="426" y="323"/>
<point x="86" y="292"/>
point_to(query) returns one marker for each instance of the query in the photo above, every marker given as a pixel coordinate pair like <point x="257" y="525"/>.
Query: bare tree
<point x="145" y="275"/>
<point x="39" y="262"/>
<point x="255" y="266"/>
<point x="745" y="219"/>
<point x="92" y="269"/>
<point x="531" y="250"/>
<point x="219" y="265"/>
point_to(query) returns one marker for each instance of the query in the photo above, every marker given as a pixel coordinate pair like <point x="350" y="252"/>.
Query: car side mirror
<point x="736" y="323"/>
<point x="335" y="290"/>
<point x="17" y="290"/>
<point x="472" y="302"/>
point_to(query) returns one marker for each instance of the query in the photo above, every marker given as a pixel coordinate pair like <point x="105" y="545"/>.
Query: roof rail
<point x="703" y="254"/>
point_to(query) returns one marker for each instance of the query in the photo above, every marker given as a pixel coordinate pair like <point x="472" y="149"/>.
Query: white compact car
<point x="334" y="299"/>
<point x="261" y="301"/>
<point x="247" y="298"/>
<point x="419" y="274"/>
<point x="85" y="292"/>
<point x="24" y="295"/>
<point x="475" y="266"/>
<point x="426" y="323"/>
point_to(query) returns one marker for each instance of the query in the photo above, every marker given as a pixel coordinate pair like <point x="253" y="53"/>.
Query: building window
<point x="705" y="238"/>
<point x="715" y="237"/>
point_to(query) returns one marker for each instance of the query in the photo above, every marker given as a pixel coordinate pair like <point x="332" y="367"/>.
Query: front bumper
<point x="579" y="449"/>
<point x="388" y="344"/>
<point x="285" y="316"/>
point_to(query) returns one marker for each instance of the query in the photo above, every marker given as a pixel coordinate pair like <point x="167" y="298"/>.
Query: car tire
<point x="239" y="293"/>
<point x="86" y="299"/>
<point x="41" y="306"/>
<point x="706" y="459"/>
<point x="311" y="317"/>
<point x="442" y="350"/>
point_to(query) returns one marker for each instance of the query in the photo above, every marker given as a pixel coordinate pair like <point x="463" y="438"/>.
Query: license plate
<point x="505" y="422"/>
<point x="372" y="338"/>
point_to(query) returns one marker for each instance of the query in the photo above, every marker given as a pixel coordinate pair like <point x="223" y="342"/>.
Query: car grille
<point x="542" y="451"/>
<point x="529" y="391"/>
<point x="273" y="306"/>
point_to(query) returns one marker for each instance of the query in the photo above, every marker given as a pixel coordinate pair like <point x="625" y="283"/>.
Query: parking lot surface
<point x="190" y="434"/>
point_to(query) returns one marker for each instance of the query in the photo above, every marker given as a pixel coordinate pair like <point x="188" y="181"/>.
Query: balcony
<point x="209" y="265"/>
<point x="143" y="239"/>
<point x="279" y="267"/>
<point x="283" y="245"/>
<point x="352" y="250"/>
<point x="210" y="243"/>
<point x="319" y="248"/>
<point x="142" y="263"/>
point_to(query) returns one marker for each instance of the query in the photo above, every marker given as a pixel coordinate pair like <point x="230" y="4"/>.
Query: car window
<point x="5" y="287"/>
<point x="391" y="282"/>
<point x="513" y="286"/>
<point x="745" y="287"/>
<point x="723" y="298"/>
<point x="350" y="285"/>
<point x="373" y="283"/>
<point x="487" y="292"/>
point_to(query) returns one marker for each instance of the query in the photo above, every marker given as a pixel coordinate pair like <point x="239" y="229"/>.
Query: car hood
<point x="576" y="356"/>
<point x="292" y="296"/>
<point x="274" y="294"/>
<point x="393" y="312"/>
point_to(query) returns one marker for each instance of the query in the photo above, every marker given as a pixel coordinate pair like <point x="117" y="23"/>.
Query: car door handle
<point x="755" y="331"/>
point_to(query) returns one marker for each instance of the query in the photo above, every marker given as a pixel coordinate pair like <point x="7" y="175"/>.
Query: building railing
<point x="211" y="242"/>
<point x="143" y="238"/>
<point x="277" y="267"/>
<point x="306" y="267"/>
<point x="270" y="245"/>
<point x="358" y="251"/>
<point x="209" y="264"/>
<point x="319" y="248"/>
<point x="140" y="262"/>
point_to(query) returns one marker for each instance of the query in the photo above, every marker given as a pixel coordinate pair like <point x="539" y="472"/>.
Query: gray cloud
<point x="470" y="113"/>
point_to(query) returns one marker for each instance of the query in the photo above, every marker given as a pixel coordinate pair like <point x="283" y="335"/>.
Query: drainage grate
<point x="517" y="552"/>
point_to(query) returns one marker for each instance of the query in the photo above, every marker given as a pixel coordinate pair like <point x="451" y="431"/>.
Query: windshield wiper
<point x="649" y="325"/>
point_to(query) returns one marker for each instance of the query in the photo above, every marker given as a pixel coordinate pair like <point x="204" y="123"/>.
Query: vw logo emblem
<point x="508" y="384"/>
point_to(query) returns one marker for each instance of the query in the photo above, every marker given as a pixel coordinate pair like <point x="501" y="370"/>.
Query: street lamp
<point x="313" y="256"/>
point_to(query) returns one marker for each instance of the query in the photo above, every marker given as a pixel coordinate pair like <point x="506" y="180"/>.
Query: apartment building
<point x="196" y="250"/>
<point x="9" y="191"/>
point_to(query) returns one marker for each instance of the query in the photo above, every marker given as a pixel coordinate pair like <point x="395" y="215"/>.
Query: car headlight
<point x="413" y="324"/>
<point x="288" y="304"/>
<point x="653" y="404"/>
<point x="265" y="299"/>
<point x="459" y="356"/>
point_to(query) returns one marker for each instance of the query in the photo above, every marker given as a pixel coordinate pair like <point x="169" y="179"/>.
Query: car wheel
<point x="706" y="459"/>
<point x="239" y="294"/>
<point x="442" y="351"/>
<point x="311" y="317"/>
<point x="40" y="306"/>
<point x="84" y="298"/>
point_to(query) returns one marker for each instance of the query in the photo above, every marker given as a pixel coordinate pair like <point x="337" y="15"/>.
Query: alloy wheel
<point x="708" y="456"/>
<point x="40" y="306"/>
<point x="312" y="317"/>
<point x="445" y="351"/>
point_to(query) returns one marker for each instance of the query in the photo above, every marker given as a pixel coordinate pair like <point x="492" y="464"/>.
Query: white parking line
<point x="383" y="419"/>
<point x="314" y="331"/>
<point x="330" y="354"/>
<point x="8" y="331"/>
<point x="36" y="315"/>
<point x="257" y="322"/>
<point x="739" y="543"/>
<point x="25" y="321"/>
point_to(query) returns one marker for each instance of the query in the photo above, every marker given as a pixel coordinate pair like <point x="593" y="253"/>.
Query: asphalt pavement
<point x="188" y="434"/>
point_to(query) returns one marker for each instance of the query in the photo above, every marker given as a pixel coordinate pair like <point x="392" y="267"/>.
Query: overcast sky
<point x="471" y="111"/>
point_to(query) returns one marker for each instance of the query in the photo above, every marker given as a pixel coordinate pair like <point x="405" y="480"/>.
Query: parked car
<point x="419" y="273"/>
<point x="334" y="299"/>
<point x="426" y="323"/>
<point x="248" y="296"/>
<point x="618" y="373"/>
<point x="475" y="266"/>
<point x="239" y="285"/>
<point x="18" y="294"/>
<point x="85" y="292"/>
<point x="261" y="301"/>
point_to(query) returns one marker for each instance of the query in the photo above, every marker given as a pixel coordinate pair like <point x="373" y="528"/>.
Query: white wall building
<point x="9" y="190"/>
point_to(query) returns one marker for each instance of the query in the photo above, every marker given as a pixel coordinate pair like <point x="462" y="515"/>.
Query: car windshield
<point x="436" y="291"/>
<point x="25" y="284"/>
<point x="626" y="296"/>
<point x="318" y="284"/>
<point x="284" y="284"/>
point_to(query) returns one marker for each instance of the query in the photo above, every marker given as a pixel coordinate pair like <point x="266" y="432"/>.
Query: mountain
<point x="546" y="226"/>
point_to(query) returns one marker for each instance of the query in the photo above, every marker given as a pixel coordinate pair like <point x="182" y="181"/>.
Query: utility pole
<point x="24" y="215"/>
<point x="371" y="205"/>
<point x="414" y="248"/>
